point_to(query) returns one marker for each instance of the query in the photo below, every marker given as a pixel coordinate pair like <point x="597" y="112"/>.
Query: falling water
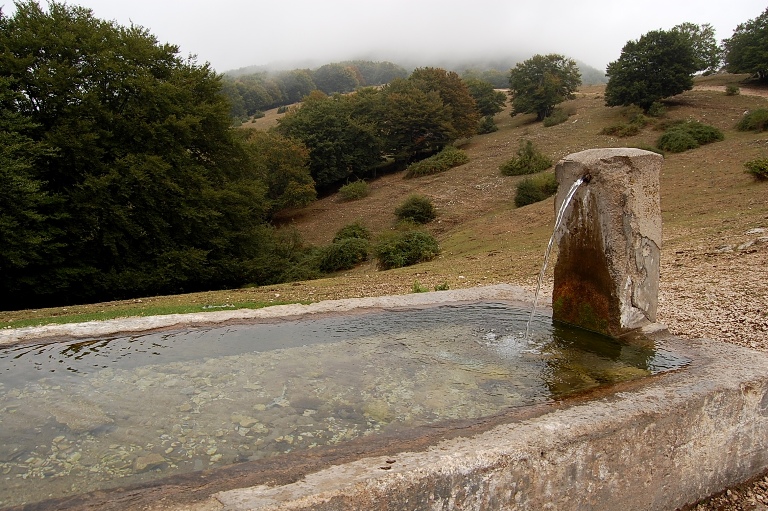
<point x="558" y="220"/>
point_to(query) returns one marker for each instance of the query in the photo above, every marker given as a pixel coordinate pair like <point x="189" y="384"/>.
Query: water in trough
<point x="93" y="414"/>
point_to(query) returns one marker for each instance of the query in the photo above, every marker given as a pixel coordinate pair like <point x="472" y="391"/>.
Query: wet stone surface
<point x="93" y="424"/>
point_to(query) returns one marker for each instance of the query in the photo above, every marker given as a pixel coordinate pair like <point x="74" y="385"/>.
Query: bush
<point x="344" y="254"/>
<point x="400" y="249"/>
<point x="354" y="191"/>
<point x="558" y="116"/>
<point x="487" y="125"/>
<point x="657" y="109"/>
<point x="354" y="230"/>
<point x="756" y="120"/>
<point x="448" y="158"/>
<point x="703" y="133"/>
<point x="688" y="135"/>
<point x="535" y="189"/>
<point x="621" y="130"/>
<point x="417" y="209"/>
<point x="528" y="161"/>
<point x="282" y="109"/>
<point x="258" y="114"/>
<point x="732" y="90"/>
<point x="417" y="287"/>
<point x="758" y="168"/>
<point x="636" y="121"/>
<point x="677" y="141"/>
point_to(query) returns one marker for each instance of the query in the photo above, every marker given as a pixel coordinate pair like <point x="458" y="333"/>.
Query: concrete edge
<point x="143" y="324"/>
<point x="683" y="437"/>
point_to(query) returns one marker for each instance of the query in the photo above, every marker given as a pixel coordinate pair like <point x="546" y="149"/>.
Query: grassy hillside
<point x="707" y="201"/>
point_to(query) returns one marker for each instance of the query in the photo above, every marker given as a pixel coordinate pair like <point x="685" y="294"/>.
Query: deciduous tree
<point x="704" y="45"/>
<point x="658" y="65"/>
<point x="746" y="51"/>
<point x="132" y="144"/>
<point x="453" y="93"/>
<point x="542" y="82"/>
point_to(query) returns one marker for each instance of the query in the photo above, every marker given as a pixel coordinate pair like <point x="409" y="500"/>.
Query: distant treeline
<point x="253" y="93"/>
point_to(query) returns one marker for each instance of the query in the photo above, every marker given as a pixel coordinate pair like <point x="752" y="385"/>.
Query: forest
<point x="123" y="172"/>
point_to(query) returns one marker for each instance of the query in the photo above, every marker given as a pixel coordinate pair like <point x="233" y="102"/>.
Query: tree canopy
<point x="453" y="93"/>
<point x="706" y="52"/>
<point x="540" y="83"/>
<point x="658" y="65"/>
<point x="489" y="101"/>
<point x="746" y="51"/>
<point x="125" y="177"/>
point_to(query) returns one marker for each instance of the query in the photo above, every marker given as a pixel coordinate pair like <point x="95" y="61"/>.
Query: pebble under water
<point x="102" y="413"/>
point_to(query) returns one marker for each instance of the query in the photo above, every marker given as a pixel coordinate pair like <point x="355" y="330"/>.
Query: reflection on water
<point x="101" y="413"/>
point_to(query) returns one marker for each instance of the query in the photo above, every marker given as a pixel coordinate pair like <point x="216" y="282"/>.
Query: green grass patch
<point x="129" y="313"/>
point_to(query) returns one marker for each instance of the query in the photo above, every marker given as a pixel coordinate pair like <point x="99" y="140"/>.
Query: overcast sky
<point x="237" y="33"/>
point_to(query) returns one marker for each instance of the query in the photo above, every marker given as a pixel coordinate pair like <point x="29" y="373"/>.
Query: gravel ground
<point x="721" y="293"/>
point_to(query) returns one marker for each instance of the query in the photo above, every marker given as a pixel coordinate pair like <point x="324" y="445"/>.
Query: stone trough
<point x="657" y="443"/>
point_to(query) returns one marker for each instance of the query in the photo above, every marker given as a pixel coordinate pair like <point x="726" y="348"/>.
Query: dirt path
<point x="745" y="91"/>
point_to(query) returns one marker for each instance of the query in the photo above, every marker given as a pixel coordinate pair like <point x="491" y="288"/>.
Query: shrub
<point x="535" y="189"/>
<point x="399" y="249"/>
<point x="636" y="120"/>
<point x="732" y="90"/>
<point x="528" y="161"/>
<point x="354" y="230"/>
<point x="657" y="109"/>
<point x="558" y="116"/>
<point x="418" y="288"/>
<point x="621" y="130"/>
<point x="758" y="168"/>
<point x="417" y="209"/>
<point x="756" y="120"/>
<point x="676" y="141"/>
<point x="487" y="125"/>
<point x="344" y="254"/>
<point x="354" y="191"/>
<point x="448" y="158"/>
<point x="688" y="135"/>
<point x="282" y="109"/>
<point x="442" y="287"/>
<point x="258" y="114"/>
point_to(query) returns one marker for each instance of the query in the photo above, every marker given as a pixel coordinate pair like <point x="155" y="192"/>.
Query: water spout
<point x="606" y="278"/>
<point x="584" y="179"/>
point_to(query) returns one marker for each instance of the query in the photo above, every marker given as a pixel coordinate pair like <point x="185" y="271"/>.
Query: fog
<point x="232" y="34"/>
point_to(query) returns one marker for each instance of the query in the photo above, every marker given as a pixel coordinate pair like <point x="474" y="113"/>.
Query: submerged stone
<point x="607" y="270"/>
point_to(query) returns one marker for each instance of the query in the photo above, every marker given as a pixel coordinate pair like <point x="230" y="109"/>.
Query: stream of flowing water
<point x="558" y="221"/>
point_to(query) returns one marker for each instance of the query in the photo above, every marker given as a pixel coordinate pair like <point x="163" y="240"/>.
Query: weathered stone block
<point x="607" y="270"/>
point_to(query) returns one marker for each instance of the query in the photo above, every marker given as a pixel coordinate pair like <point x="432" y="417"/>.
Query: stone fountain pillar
<point x="607" y="270"/>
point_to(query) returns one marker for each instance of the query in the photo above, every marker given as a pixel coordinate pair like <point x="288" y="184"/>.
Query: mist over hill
<point x="503" y="63"/>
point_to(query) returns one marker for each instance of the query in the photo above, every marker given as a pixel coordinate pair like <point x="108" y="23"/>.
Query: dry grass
<point x="707" y="199"/>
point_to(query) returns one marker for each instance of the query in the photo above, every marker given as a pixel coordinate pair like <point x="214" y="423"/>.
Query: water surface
<point x="99" y="413"/>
